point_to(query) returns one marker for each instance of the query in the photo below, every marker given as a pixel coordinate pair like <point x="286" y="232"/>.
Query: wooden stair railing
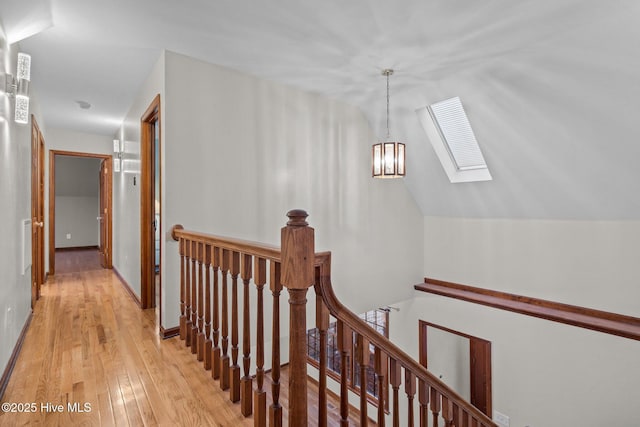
<point x="205" y="317"/>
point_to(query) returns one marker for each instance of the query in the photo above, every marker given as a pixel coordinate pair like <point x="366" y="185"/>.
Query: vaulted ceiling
<point x="551" y="88"/>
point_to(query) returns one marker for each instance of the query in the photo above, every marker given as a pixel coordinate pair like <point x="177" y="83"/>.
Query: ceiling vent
<point x="450" y="133"/>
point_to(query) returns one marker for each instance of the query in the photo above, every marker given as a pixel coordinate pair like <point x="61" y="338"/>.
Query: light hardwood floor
<point x="89" y="343"/>
<point x="76" y="260"/>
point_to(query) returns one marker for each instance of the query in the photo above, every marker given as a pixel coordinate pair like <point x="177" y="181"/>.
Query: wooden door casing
<point x="150" y="124"/>
<point x="37" y="211"/>
<point x="105" y="199"/>
<point x="103" y="245"/>
<point x="480" y="360"/>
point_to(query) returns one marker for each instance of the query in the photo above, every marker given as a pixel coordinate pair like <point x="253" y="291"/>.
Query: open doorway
<point x="80" y="211"/>
<point x="462" y="361"/>
<point x="150" y="213"/>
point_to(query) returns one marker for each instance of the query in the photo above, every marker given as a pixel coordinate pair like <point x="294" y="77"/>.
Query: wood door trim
<point x="34" y="201"/>
<point x="583" y="317"/>
<point x="52" y="214"/>
<point x="480" y="355"/>
<point x="52" y="202"/>
<point x="37" y="211"/>
<point x="151" y="115"/>
<point x="103" y="242"/>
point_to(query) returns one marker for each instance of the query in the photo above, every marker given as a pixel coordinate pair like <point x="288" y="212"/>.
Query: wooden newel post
<point x="298" y="258"/>
<point x="183" y="318"/>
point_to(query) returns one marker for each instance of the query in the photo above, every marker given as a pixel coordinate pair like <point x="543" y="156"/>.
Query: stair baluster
<point x="200" y="342"/>
<point x="234" y="373"/>
<point x="246" y="383"/>
<point x="215" y="351"/>
<point x="275" y="410"/>
<point x="362" y="356"/>
<point x="345" y="338"/>
<point x="435" y="406"/>
<point x="395" y="377"/>
<point x="322" y="324"/>
<point x="410" y="390"/>
<point x="380" y="362"/>
<point x="183" y="318"/>
<point x="187" y="296"/>
<point x="260" y="395"/>
<point x="447" y="412"/>
<point x="423" y="399"/>
<point x="224" y="358"/>
<point x="194" y="298"/>
<point x="207" y="308"/>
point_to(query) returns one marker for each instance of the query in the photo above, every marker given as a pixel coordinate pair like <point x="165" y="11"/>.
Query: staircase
<point x="213" y="268"/>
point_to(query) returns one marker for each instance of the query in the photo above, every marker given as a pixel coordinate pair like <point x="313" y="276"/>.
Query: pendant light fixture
<point x="388" y="157"/>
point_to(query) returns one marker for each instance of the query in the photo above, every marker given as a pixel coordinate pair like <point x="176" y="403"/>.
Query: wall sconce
<point x="18" y="87"/>
<point x="117" y="151"/>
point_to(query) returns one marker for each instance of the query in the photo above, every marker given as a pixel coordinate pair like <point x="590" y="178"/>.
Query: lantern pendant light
<point x="388" y="157"/>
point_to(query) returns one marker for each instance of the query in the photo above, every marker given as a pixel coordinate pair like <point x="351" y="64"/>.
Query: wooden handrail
<point x="295" y="267"/>
<point x="356" y="324"/>
<point x="261" y="250"/>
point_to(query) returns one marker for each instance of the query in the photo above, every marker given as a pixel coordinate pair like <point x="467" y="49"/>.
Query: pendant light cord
<point x="388" y="133"/>
<point x="387" y="72"/>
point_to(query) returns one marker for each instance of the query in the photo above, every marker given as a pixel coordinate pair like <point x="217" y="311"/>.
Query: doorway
<point x="467" y="358"/>
<point x="150" y="203"/>
<point x="37" y="211"/>
<point x="100" y="172"/>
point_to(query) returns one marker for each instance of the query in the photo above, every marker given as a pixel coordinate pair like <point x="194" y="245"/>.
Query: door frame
<point x="148" y="122"/>
<point x="479" y="369"/>
<point x="107" y="188"/>
<point x="103" y="243"/>
<point x="37" y="211"/>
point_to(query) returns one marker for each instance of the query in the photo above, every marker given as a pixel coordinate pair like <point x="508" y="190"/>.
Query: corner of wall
<point x="15" y="191"/>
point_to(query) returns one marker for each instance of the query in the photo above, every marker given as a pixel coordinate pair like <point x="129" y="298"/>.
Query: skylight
<point x="450" y="133"/>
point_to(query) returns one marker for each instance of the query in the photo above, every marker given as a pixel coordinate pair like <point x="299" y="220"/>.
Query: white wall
<point x="15" y="206"/>
<point x="77" y="201"/>
<point x="76" y="216"/>
<point x="448" y="358"/>
<point x="80" y="142"/>
<point x="544" y="373"/>
<point x="586" y="263"/>
<point x="239" y="152"/>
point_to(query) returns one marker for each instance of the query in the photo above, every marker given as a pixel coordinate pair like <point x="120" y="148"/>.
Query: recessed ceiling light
<point x="84" y="105"/>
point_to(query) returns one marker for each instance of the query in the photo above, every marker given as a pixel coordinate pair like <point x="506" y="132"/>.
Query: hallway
<point x="89" y="344"/>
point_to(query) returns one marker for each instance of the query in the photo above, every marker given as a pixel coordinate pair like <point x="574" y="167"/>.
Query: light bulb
<point x="22" y="109"/>
<point x="24" y="67"/>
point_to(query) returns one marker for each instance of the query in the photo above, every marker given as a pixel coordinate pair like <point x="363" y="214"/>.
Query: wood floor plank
<point x="77" y="260"/>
